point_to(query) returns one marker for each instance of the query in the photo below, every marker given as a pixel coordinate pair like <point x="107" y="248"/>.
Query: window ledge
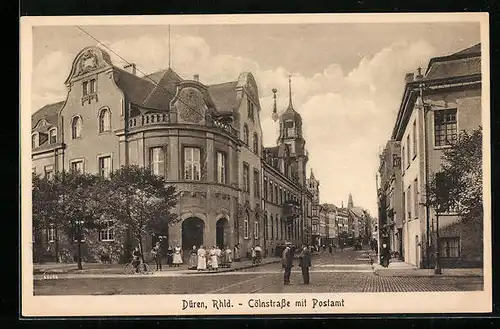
<point x="106" y="132"/>
<point x="442" y="147"/>
<point x="107" y="240"/>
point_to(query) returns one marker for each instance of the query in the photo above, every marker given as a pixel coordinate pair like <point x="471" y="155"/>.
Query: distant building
<point x="391" y="214"/>
<point x="435" y="107"/>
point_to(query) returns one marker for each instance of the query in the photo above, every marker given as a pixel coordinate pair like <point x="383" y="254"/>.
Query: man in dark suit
<point x="305" y="263"/>
<point x="287" y="262"/>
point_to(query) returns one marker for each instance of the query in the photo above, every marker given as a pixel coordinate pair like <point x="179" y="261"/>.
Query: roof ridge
<point x="47" y="105"/>
<point x="222" y="83"/>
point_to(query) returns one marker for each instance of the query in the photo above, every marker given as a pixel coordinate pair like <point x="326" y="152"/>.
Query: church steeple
<point x="290" y="106"/>
<point x="350" y="203"/>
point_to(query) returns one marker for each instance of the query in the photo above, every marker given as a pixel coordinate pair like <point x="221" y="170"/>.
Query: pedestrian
<point x="305" y="263"/>
<point x="156" y="252"/>
<point x="202" y="259"/>
<point x="177" y="260"/>
<point x="136" y="258"/>
<point x="229" y="257"/>
<point x="253" y="255"/>
<point x="170" y="256"/>
<point x="193" y="258"/>
<point x="218" y="254"/>
<point x="258" y="254"/>
<point x="287" y="262"/>
<point x="237" y="256"/>
<point x="330" y="248"/>
<point x="214" y="264"/>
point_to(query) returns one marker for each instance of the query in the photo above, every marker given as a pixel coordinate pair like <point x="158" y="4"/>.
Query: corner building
<point x="206" y="140"/>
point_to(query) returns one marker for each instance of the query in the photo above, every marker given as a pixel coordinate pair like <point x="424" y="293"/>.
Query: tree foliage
<point x="140" y="201"/>
<point x="460" y="181"/>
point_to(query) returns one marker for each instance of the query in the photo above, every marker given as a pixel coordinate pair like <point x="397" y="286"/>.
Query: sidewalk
<point x="402" y="269"/>
<point x="96" y="270"/>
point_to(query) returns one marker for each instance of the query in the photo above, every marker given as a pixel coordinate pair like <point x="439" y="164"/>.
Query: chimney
<point x="196" y="78"/>
<point x="131" y="68"/>
<point x="409" y="77"/>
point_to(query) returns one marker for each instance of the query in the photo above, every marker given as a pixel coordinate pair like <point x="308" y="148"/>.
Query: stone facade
<point x="449" y="89"/>
<point x="206" y="140"/>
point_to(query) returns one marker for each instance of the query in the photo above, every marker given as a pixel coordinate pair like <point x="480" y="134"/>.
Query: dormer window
<point x="76" y="127"/>
<point x="34" y="140"/>
<point x="53" y="136"/>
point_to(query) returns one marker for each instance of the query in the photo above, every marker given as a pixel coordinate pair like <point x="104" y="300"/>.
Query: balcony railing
<point x="149" y="119"/>
<point x="225" y="127"/>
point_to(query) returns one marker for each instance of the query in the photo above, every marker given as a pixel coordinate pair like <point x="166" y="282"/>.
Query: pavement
<point x="92" y="270"/>
<point x="342" y="271"/>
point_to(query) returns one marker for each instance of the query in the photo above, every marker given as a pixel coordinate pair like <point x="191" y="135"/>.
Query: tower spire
<point x="290" y="91"/>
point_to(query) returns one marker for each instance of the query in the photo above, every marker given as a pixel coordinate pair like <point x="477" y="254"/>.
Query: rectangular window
<point x="92" y="86"/>
<point x="107" y="233"/>
<point x="85" y="88"/>
<point x="408" y="202"/>
<point x="251" y="110"/>
<point x="192" y="166"/>
<point x="246" y="227"/>
<point x="52" y="136"/>
<point x="404" y="204"/>
<point x="105" y="166"/>
<point x="403" y="163"/>
<point x="49" y="172"/>
<point x="443" y="186"/>
<point x="51" y="234"/>
<point x="449" y="247"/>
<point x="289" y="129"/>
<point x="157" y="160"/>
<point x="256" y="229"/>
<point x="415" y="198"/>
<point x="414" y="138"/>
<point x="265" y="188"/>
<point x="221" y="168"/>
<point x="408" y="150"/>
<point x="246" y="178"/>
<point x="77" y="166"/>
<point x="445" y="127"/>
<point x="256" y="183"/>
<point x="275" y="199"/>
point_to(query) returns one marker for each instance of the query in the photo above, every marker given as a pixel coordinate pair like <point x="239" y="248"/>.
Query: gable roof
<point x="49" y="112"/>
<point x="224" y="96"/>
<point x="155" y="90"/>
<point x="463" y="63"/>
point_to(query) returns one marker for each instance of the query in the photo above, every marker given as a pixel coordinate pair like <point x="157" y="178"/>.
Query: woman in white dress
<point x="177" y="256"/>
<point x="213" y="259"/>
<point x="229" y="256"/>
<point x="202" y="259"/>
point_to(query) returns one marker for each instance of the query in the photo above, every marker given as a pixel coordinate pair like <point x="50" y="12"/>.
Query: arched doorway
<point x="192" y="233"/>
<point x="221" y="233"/>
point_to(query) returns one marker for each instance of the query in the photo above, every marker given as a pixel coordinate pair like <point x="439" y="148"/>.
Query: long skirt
<point x="193" y="261"/>
<point x="214" y="262"/>
<point x="202" y="263"/>
<point x="177" y="259"/>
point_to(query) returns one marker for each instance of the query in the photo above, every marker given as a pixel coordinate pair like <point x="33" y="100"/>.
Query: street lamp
<point x="275" y="112"/>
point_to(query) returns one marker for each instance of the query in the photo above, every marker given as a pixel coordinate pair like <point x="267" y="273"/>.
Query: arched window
<point x="272" y="227"/>
<point x="256" y="232"/>
<point x="104" y="121"/>
<point x="245" y="134"/>
<point x="34" y="140"/>
<point x="246" y="225"/>
<point x="53" y="135"/>
<point x="76" y="127"/>
<point x="255" y="143"/>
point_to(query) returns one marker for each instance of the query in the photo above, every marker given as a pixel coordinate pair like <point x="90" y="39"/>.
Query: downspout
<point x="426" y="174"/>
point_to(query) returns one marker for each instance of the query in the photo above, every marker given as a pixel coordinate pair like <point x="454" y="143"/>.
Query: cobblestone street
<point x="344" y="271"/>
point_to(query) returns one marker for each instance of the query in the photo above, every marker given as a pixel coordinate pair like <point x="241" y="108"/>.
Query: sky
<point x="347" y="79"/>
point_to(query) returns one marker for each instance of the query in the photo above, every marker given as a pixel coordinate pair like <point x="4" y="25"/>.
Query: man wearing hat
<point x="287" y="262"/>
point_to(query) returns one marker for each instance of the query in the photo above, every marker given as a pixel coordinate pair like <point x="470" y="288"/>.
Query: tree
<point x="140" y="201"/>
<point x="81" y="201"/>
<point x="460" y="181"/>
<point x="70" y="202"/>
<point x="46" y="211"/>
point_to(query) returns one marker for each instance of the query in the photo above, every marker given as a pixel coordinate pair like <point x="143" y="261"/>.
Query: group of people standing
<point x="305" y="263"/>
<point x="202" y="259"/>
<point x="173" y="255"/>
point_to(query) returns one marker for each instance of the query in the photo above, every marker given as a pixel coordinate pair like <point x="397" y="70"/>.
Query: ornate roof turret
<point x="290" y="113"/>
